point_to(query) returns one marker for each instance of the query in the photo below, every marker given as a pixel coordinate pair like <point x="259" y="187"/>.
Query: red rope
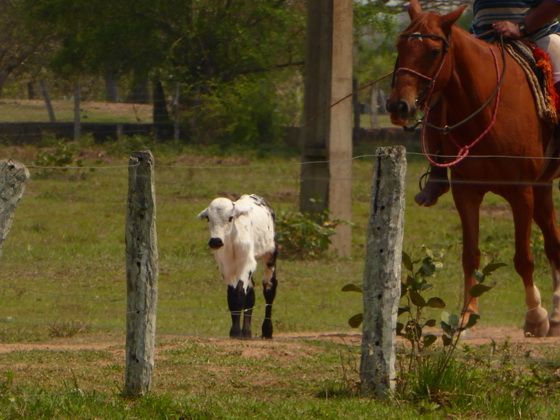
<point x="463" y="150"/>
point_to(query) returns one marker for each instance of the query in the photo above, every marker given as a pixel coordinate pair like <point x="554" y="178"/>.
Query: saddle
<point x="536" y="64"/>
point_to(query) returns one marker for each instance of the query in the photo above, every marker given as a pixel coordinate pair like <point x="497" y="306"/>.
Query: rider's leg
<point x="437" y="183"/>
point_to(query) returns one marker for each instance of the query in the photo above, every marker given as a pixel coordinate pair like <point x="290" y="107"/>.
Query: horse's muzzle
<point x="401" y="111"/>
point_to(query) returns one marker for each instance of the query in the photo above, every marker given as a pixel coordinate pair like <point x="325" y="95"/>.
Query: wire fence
<point x="59" y="266"/>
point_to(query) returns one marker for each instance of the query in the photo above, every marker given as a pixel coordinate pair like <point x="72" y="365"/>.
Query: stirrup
<point x="424" y="180"/>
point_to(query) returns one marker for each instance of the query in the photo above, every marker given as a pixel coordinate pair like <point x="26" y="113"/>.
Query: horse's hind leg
<point x="545" y="218"/>
<point x="522" y="201"/>
<point x="269" y="290"/>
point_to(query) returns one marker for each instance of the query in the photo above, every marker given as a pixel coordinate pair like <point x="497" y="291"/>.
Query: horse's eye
<point x="435" y="52"/>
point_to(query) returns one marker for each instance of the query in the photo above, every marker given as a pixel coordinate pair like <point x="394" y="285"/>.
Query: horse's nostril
<point x="399" y="107"/>
<point x="402" y="108"/>
<point x="388" y="105"/>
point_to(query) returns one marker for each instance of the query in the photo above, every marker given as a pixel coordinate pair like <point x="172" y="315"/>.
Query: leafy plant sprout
<point x="413" y="304"/>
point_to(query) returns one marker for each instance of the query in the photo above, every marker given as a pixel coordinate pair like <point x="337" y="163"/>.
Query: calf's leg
<point x="248" y="312"/>
<point x="269" y="290"/>
<point x="236" y="303"/>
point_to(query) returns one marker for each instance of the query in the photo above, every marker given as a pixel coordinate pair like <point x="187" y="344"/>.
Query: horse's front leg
<point x="522" y="207"/>
<point x="467" y="200"/>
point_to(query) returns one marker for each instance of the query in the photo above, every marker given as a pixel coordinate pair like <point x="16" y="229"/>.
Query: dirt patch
<point x="284" y="346"/>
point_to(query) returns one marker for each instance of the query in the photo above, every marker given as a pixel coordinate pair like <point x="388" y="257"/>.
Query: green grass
<point x="66" y="248"/>
<point x="63" y="272"/>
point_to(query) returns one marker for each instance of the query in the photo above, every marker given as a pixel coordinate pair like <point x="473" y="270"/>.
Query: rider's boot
<point x="437" y="184"/>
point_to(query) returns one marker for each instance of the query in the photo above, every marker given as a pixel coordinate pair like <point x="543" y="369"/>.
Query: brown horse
<point x="495" y="142"/>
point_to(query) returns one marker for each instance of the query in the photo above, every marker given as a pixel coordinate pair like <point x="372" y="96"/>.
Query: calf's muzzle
<point x="215" y="243"/>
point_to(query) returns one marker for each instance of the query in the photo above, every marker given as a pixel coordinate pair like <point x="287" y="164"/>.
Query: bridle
<point x="425" y="97"/>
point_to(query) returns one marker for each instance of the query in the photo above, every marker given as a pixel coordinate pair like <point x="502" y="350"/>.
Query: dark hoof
<point x="235" y="333"/>
<point x="267" y="329"/>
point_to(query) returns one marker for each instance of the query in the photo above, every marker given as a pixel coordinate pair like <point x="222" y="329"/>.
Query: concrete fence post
<point x="382" y="274"/>
<point x="141" y="274"/>
<point x="13" y="180"/>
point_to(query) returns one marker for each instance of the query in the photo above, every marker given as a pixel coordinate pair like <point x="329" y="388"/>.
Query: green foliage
<point x="303" y="235"/>
<point x="238" y="115"/>
<point x="429" y="376"/>
<point x="414" y="284"/>
<point x="61" y="155"/>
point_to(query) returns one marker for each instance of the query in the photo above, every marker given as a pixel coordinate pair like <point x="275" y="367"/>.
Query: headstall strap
<point x="446" y="42"/>
<point x="425" y="96"/>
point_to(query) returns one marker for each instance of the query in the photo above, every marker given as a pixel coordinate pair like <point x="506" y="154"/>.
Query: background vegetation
<point x="235" y="66"/>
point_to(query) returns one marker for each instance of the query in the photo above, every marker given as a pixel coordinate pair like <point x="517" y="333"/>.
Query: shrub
<point x="304" y="235"/>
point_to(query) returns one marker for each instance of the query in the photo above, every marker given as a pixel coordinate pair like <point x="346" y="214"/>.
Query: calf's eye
<point x="230" y="219"/>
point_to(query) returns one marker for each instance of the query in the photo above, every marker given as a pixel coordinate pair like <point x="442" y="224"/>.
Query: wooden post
<point x="13" y="180"/>
<point x="141" y="274"/>
<point x="326" y="137"/>
<point x="382" y="274"/>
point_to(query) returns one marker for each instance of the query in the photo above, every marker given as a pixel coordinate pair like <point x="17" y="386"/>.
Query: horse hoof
<point x="554" y="329"/>
<point x="536" y="322"/>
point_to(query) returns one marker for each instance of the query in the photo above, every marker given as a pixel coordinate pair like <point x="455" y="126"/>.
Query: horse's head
<point x="422" y="48"/>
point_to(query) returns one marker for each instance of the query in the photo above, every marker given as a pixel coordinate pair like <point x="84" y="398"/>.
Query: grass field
<point x="63" y="291"/>
<point x="12" y="110"/>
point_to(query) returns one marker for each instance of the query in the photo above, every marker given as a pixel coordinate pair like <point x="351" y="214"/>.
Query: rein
<point x="426" y="96"/>
<point x="464" y="150"/>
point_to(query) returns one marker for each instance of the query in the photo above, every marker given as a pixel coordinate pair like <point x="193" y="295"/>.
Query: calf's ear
<point x="203" y="214"/>
<point x="239" y="210"/>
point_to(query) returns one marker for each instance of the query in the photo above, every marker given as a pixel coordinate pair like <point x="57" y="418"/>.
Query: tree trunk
<point x="111" y="89"/>
<point x="47" y="101"/>
<point x="77" y="116"/>
<point x="160" y="113"/>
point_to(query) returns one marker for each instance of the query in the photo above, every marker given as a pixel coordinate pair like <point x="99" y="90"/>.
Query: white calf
<point x="240" y="232"/>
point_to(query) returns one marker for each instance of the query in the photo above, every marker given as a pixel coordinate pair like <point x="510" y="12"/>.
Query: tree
<point x="435" y="5"/>
<point x="202" y="45"/>
<point x="19" y="42"/>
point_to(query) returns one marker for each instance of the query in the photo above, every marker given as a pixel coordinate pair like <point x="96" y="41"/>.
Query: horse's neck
<point x="473" y="76"/>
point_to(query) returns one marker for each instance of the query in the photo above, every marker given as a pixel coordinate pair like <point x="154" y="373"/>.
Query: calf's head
<point x="221" y="215"/>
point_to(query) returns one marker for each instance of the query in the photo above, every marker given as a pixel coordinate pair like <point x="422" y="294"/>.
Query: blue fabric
<point x="486" y="12"/>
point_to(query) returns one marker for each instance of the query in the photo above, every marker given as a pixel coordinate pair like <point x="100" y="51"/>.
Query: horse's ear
<point x="449" y="19"/>
<point x="414" y="9"/>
